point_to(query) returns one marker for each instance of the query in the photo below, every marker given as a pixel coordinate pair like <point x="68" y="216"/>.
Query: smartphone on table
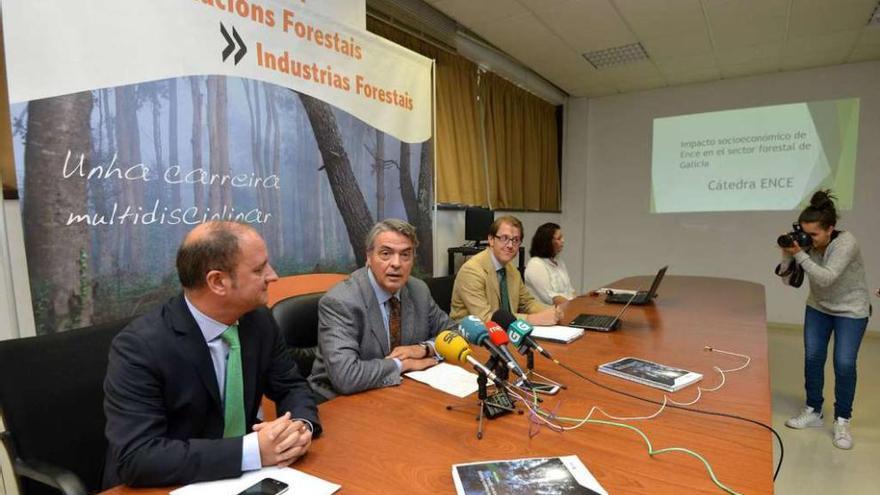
<point x="541" y="387"/>
<point x="266" y="486"/>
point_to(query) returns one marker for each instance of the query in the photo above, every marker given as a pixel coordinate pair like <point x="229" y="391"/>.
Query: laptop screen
<point x="656" y="284"/>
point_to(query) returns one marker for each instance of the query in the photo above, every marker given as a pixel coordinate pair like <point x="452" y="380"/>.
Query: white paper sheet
<point x="299" y="483"/>
<point x="448" y="378"/>
<point x="557" y="333"/>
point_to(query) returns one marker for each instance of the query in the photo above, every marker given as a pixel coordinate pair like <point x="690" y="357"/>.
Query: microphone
<point x="476" y="333"/>
<point x="499" y="337"/>
<point x="519" y="332"/>
<point x="453" y="347"/>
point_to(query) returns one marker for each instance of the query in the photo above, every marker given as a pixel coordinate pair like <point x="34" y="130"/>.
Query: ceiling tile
<point x="586" y="25"/>
<point x="870" y="35"/>
<point x="741" y="37"/>
<point x="679" y="45"/>
<point x="810" y="17"/>
<point x="689" y="77"/>
<point x="688" y="69"/>
<point x="840" y="43"/>
<point x="519" y="36"/>
<point x="634" y="71"/>
<point x="746" y="22"/>
<point x="743" y="9"/>
<point x="753" y="67"/>
<point x="814" y="59"/>
<point x="864" y="53"/>
<point x="589" y="89"/>
<point x="641" y="84"/>
<point x="690" y="63"/>
<point x="546" y="5"/>
<point x="556" y="64"/>
<point x="662" y="17"/>
<point x="470" y="12"/>
<point x="587" y="78"/>
<point x="745" y="54"/>
<point x="600" y="92"/>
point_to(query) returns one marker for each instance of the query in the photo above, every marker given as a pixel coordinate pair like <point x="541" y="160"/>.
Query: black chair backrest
<point x="441" y="291"/>
<point x="52" y="399"/>
<point x="297" y="316"/>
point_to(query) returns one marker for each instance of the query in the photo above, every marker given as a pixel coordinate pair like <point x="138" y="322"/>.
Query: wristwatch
<point x="427" y="350"/>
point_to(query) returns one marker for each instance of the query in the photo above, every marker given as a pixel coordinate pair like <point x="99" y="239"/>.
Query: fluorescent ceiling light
<point x="617" y="55"/>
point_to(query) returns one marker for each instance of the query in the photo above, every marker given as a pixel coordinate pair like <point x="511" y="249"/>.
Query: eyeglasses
<point x="505" y="240"/>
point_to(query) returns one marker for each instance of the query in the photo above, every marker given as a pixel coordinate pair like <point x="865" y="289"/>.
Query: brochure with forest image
<point x="651" y="374"/>
<point x="536" y="476"/>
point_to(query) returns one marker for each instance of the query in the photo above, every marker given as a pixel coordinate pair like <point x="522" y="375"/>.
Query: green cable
<point x="651" y="451"/>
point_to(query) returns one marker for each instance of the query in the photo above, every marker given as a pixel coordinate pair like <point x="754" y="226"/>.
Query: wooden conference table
<point x="402" y="440"/>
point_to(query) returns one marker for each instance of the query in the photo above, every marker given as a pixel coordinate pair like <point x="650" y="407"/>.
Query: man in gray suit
<point x="379" y="323"/>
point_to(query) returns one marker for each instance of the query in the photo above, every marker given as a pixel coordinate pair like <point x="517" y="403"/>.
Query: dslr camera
<point x="798" y="235"/>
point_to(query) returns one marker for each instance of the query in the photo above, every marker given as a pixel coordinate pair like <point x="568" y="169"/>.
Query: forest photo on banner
<point x="309" y="141"/>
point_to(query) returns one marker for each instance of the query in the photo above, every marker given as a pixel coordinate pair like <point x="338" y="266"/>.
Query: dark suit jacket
<point x="162" y="402"/>
<point x="353" y="342"/>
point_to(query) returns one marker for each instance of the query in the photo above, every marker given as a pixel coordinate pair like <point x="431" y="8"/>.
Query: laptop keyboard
<point x="624" y="298"/>
<point x="598" y="321"/>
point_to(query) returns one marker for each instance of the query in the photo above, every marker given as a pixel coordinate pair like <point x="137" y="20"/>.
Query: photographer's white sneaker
<point x="808" y="418"/>
<point x="842" y="436"/>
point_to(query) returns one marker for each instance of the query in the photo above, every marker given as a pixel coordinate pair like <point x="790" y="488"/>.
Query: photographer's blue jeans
<point x="848" y="333"/>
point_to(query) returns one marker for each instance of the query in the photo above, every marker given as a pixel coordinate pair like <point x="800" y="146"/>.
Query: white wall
<point x="607" y="185"/>
<point x="16" y="313"/>
<point x="449" y="232"/>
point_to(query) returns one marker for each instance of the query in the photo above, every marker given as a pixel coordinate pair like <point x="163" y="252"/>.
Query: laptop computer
<point x="600" y="323"/>
<point x="642" y="297"/>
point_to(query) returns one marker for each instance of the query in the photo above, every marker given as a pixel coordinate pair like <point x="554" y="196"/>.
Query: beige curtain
<point x="7" y="164"/>
<point x="461" y="176"/>
<point x="520" y="147"/>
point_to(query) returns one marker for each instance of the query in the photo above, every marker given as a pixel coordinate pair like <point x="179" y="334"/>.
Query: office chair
<point x="297" y="316"/>
<point x="51" y="401"/>
<point x="441" y="291"/>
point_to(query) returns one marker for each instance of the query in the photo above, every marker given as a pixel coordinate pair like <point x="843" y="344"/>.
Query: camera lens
<point x="785" y="241"/>
<point x="804" y="240"/>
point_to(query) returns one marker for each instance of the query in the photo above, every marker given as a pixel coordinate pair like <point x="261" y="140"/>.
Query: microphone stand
<point x="490" y="406"/>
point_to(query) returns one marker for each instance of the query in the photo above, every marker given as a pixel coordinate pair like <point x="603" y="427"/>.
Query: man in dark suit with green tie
<point x="185" y="381"/>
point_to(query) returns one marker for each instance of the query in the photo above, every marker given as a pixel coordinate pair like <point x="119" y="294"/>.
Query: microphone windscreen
<point x="503" y="318"/>
<point x="452" y="346"/>
<point x="473" y="329"/>
<point x="496" y="334"/>
<point x="517" y="332"/>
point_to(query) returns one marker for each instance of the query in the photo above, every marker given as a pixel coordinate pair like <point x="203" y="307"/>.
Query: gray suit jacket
<point x="353" y="342"/>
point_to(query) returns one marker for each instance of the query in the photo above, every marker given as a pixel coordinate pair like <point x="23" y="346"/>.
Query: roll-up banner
<point x="133" y="121"/>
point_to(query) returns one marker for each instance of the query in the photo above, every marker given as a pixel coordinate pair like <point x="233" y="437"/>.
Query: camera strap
<point x="793" y="271"/>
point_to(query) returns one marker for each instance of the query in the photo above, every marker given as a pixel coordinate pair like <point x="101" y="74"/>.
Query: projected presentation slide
<point x="762" y="158"/>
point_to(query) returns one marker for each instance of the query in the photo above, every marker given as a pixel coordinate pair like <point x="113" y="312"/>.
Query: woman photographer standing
<point x="838" y="304"/>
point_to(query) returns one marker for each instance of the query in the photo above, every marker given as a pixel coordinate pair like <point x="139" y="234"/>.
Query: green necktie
<point x="233" y="403"/>
<point x="505" y="297"/>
